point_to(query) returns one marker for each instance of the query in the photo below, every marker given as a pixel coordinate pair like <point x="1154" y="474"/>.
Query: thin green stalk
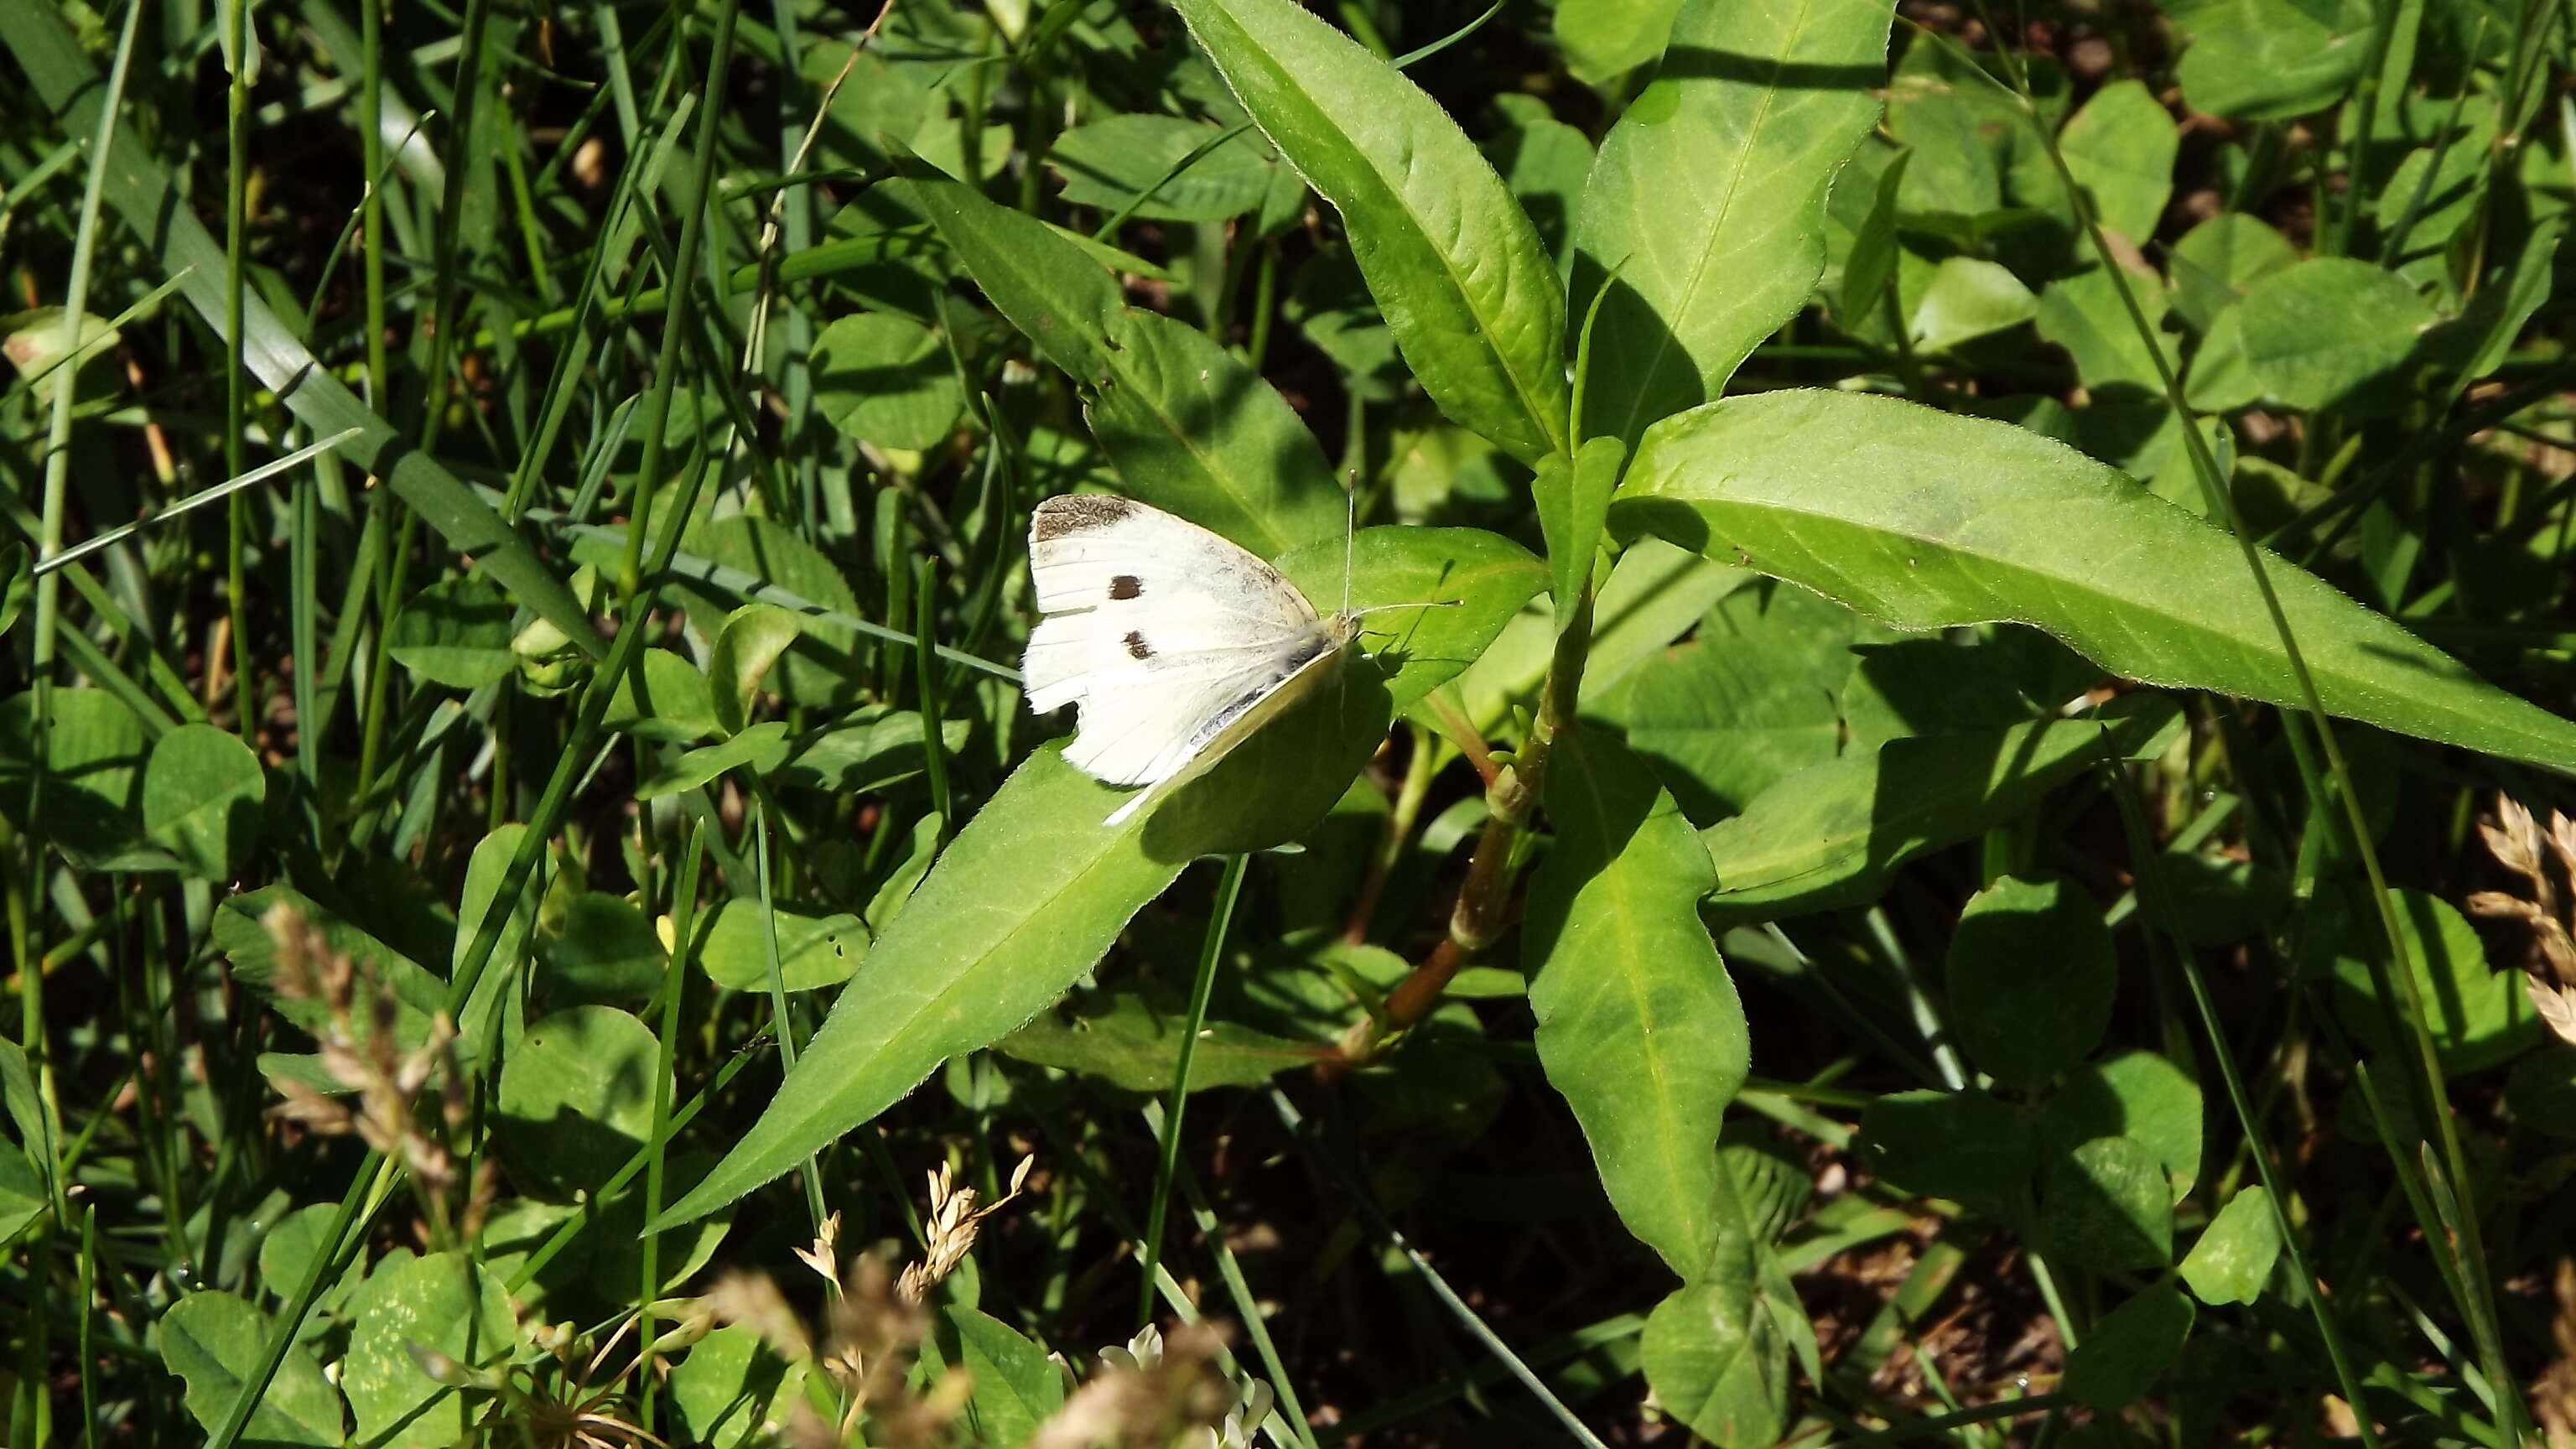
<point x="85" y="1331"/>
<point x="2147" y="864"/>
<point x="782" y="1015"/>
<point x="675" y="980"/>
<point x="925" y="660"/>
<point x="2221" y="504"/>
<point x="1211" y="951"/>
<point x="237" y="404"/>
<point x="1247" y="1307"/>
<point x="656" y="412"/>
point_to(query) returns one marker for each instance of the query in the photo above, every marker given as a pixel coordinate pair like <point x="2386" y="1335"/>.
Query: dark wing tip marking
<point x="1077" y="513"/>
<point x="1126" y="586"/>
<point x="1137" y="648"/>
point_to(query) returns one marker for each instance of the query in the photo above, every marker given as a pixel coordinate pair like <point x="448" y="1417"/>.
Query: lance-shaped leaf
<point x="1708" y="199"/>
<point x="1638" y="1024"/>
<point x="1925" y="520"/>
<point x="139" y="189"/>
<point x="1466" y="285"/>
<point x="1035" y="888"/>
<point x="1189" y="428"/>
<point x="1835" y="833"/>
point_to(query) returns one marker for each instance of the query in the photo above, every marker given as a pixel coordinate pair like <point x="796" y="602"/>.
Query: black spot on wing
<point x="1137" y="648"/>
<point x="1077" y="513"/>
<point x="1126" y="586"/>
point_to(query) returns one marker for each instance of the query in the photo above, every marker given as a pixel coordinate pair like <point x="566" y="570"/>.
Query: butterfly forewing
<point x="1164" y="635"/>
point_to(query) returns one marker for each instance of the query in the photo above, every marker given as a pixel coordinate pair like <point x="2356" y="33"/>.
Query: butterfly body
<point x="1171" y="642"/>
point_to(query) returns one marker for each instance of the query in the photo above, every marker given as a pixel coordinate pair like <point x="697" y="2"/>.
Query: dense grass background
<point x="474" y="554"/>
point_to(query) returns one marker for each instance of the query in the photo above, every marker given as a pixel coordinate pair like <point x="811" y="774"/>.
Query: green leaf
<point x="1027" y="898"/>
<point x="671" y="706"/>
<point x="1749" y="701"/>
<point x="1132" y="1043"/>
<point x="17" y="582"/>
<point x="1713" y="1351"/>
<point x="606" y="952"/>
<point x="1926" y="520"/>
<point x="2120" y="149"/>
<point x="814" y="950"/>
<point x="241" y="934"/>
<point x="135" y="184"/>
<point x="2221" y="378"/>
<point x="866" y="753"/>
<point x="2320" y="332"/>
<point x="1545" y="163"/>
<point x="93" y="754"/>
<point x="2104" y="1205"/>
<point x="1604" y="38"/>
<point x="1835" y="833"/>
<point x="1107" y="163"/>
<point x="576" y="1099"/>
<point x="2031" y="972"/>
<point x="1573" y="495"/>
<point x="1655" y="594"/>
<point x="822" y="666"/>
<point x="895" y="892"/>
<point x="2129" y="1349"/>
<point x="486" y="871"/>
<point x="22" y="1193"/>
<point x="2234" y="1257"/>
<point x="1468" y="288"/>
<point x="1708" y="198"/>
<point x="1638" y="1023"/>
<point x="886" y="380"/>
<point x="440" y="1303"/>
<point x="2217" y="260"/>
<point x="2083" y="313"/>
<point x="1968" y="298"/>
<point x="1966" y="1146"/>
<point x="2270" y="60"/>
<point x="1017" y="1387"/>
<point x="212" y="1340"/>
<point x="1418" y="650"/>
<point x="286" y="1254"/>
<point x="1190" y="428"/>
<point x="202" y="791"/>
<point x="2479" y="1017"/>
<point x="762" y="747"/>
<point x="724" y="1387"/>
<point x="455" y="632"/>
<point x="2137" y="1095"/>
<point x="752" y="639"/>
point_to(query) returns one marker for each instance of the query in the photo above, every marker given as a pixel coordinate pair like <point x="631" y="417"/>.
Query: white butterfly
<point x="1174" y="643"/>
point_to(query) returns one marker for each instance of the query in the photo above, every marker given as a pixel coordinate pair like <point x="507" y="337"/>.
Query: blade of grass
<point x="1211" y="951"/>
<point x="191" y="503"/>
<point x="240" y="61"/>
<point x="675" y="980"/>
